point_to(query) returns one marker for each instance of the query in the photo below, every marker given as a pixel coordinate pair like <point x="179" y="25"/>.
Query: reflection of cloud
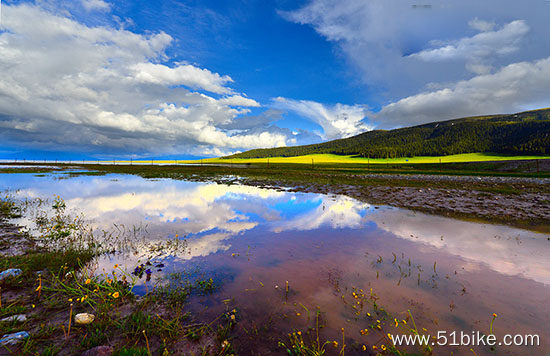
<point x="194" y="209"/>
<point x="505" y="250"/>
<point x="199" y="207"/>
<point x="207" y="213"/>
<point x="336" y="212"/>
<point x="206" y="245"/>
<point x="211" y="214"/>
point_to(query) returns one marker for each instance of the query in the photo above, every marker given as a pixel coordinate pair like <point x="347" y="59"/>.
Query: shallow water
<point x="451" y="274"/>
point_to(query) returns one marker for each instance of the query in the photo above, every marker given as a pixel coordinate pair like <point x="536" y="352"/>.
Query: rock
<point x="19" y="318"/>
<point x="12" y="272"/>
<point x="84" y="318"/>
<point x="99" y="351"/>
<point x="13" y="339"/>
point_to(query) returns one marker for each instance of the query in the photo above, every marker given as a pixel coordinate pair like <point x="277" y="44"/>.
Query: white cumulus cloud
<point x="377" y="37"/>
<point x="515" y="87"/>
<point x="91" y="5"/>
<point x="485" y="45"/>
<point x="337" y="120"/>
<point x="101" y="89"/>
<point x="186" y="75"/>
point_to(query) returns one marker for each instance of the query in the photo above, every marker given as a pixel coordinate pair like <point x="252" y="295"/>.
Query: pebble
<point x="13" y="339"/>
<point x="84" y="318"/>
<point x="19" y="318"/>
<point x="12" y="272"/>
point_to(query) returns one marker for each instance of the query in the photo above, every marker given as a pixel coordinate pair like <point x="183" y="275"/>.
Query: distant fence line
<point x="121" y="162"/>
<point x="104" y="162"/>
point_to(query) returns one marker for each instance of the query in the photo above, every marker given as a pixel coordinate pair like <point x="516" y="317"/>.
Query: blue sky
<point x="167" y="78"/>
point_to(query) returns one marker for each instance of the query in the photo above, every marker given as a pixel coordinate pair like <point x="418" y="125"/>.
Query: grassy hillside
<point x="351" y="159"/>
<point x="526" y="133"/>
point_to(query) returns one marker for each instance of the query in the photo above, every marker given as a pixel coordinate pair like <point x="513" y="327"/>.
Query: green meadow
<point x="352" y="159"/>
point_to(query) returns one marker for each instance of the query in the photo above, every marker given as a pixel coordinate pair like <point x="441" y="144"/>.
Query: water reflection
<point x="502" y="249"/>
<point x="452" y="273"/>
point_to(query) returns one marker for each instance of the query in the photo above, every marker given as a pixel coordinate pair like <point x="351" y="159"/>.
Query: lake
<point x="340" y="256"/>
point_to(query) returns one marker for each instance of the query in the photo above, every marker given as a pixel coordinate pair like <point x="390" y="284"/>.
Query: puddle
<point x="451" y="274"/>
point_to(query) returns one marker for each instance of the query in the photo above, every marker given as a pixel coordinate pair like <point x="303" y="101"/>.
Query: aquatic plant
<point x="312" y="347"/>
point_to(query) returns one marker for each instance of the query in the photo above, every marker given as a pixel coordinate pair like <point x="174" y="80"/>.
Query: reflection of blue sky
<point x="210" y="215"/>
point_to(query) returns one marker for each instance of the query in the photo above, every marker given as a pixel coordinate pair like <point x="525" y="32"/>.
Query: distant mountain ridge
<point x="521" y="133"/>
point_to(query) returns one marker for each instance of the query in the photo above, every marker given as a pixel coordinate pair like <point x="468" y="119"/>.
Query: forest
<point x="515" y="134"/>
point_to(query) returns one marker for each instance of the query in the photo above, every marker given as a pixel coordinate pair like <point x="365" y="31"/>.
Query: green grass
<point x="47" y="261"/>
<point x="332" y="158"/>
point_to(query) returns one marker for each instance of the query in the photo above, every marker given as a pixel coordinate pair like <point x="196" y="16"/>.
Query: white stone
<point x="84" y="318"/>
<point x="19" y="318"/>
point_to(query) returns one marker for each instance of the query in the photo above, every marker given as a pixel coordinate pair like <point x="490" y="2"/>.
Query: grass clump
<point x="9" y="209"/>
<point x="310" y="345"/>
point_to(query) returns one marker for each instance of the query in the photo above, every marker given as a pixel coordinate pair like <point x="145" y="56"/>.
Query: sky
<point x="188" y="79"/>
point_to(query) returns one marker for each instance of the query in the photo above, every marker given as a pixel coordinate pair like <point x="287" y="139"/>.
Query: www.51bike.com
<point x="473" y="338"/>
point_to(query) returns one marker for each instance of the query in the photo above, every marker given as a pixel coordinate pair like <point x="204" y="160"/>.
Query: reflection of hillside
<point x="503" y="249"/>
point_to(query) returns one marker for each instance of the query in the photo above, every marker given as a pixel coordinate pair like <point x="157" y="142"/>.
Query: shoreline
<point x="510" y="200"/>
<point x="520" y="202"/>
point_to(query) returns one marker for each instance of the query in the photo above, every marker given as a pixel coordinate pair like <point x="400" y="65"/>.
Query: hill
<point x="517" y="134"/>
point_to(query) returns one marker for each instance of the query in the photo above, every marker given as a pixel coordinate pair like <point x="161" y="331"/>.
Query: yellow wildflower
<point x="88" y="281"/>
<point x="115" y="295"/>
